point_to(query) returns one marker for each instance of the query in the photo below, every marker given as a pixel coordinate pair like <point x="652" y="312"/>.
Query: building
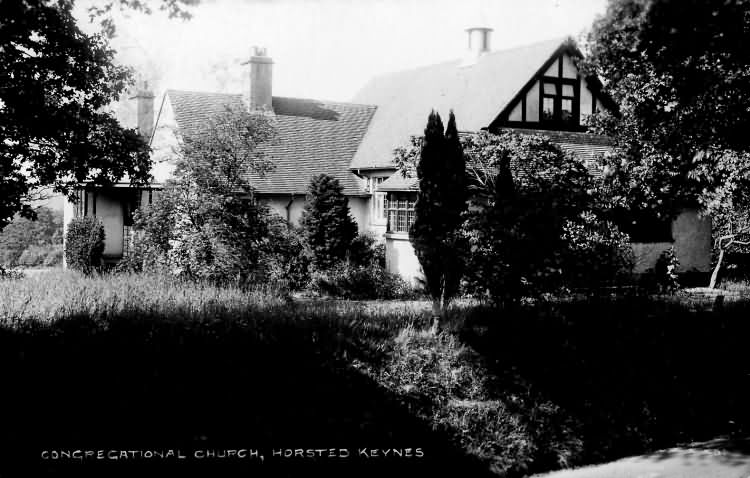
<point x="534" y="89"/>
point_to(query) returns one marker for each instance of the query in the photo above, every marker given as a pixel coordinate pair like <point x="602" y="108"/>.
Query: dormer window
<point x="559" y="98"/>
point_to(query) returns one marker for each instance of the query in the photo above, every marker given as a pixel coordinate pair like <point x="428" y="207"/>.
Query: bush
<point x="526" y="191"/>
<point x="84" y="244"/>
<point x="350" y="281"/>
<point x="598" y="253"/>
<point x="365" y="251"/>
<point x="10" y="274"/>
<point x="329" y="229"/>
<point x="285" y="260"/>
<point x="662" y="278"/>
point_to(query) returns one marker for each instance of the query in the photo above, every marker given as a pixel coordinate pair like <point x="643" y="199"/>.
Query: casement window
<point x="379" y="199"/>
<point x="560" y="103"/>
<point x="400" y="207"/>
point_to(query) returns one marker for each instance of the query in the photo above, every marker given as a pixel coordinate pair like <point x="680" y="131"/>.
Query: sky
<point x="326" y="49"/>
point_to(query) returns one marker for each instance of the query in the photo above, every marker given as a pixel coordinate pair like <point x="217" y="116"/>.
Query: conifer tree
<point x="440" y="204"/>
<point x="327" y="225"/>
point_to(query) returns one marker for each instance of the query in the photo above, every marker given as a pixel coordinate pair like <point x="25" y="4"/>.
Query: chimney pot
<point x="479" y="40"/>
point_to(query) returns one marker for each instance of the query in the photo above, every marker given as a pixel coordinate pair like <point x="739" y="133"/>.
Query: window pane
<point x="380" y="205"/>
<point x="402" y="203"/>
<point x="568" y="90"/>
<point x="567" y="110"/>
<point x="401" y="221"/>
<point x="550" y="89"/>
<point x="410" y="220"/>
<point x="548" y="109"/>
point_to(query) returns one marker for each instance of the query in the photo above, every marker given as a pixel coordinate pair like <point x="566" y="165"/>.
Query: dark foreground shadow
<point x="213" y="393"/>
<point x="634" y="375"/>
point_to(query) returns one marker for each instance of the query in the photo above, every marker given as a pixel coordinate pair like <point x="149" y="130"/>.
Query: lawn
<point x="146" y="362"/>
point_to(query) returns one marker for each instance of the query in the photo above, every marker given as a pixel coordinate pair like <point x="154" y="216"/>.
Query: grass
<point x="146" y="361"/>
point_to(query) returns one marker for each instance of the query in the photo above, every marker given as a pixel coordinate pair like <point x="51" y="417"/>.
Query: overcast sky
<point x="328" y="49"/>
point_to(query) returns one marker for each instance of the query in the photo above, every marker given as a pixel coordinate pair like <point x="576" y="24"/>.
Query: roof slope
<point x="314" y="137"/>
<point x="476" y="93"/>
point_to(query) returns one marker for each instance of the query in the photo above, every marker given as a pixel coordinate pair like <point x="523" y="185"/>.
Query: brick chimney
<point x="261" y="67"/>
<point x="144" y="98"/>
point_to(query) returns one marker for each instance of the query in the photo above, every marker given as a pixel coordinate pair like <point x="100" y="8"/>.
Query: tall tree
<point x="680" y="71"/>
<point x="326" y="223"/>
<point x="440" y="204"/>
<point x="56" y="81"/>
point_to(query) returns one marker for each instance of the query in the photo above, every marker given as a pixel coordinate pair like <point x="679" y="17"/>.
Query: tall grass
<point x="121" y="359"/>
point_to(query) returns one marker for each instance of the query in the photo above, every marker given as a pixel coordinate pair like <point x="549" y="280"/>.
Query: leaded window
<point x="400" y="207"/>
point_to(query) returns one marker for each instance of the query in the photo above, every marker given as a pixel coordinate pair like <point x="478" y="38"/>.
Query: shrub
<point x="365" y="251"/>
<point x="84" y="244"/>
<point x="662" y="278"/>
<point x="526" y="191"/>
<point x="350" y="281"/>
<point x="328" y="228"/>
<point x="598" y="253"/>
<point x="285" y="260"/>
<point x="10" y="274"/>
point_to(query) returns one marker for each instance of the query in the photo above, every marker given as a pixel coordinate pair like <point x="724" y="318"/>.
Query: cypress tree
<point x="327" y="225"/>
<point x="438" y="211"/>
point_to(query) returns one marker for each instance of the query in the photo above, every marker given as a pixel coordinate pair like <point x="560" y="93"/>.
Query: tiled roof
<point x="476" y="93"/>
<point x="314" y="137"/>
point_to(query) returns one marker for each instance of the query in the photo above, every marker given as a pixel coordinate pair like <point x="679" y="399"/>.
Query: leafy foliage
<point x="207" y="223"/>
<point x="597" y="253"/>
<point x="326" y="223"/>
<point x="726" y="199"/>
<point x="438" y="210"/>
<point x="526" y="228"/>
<point x="366" y="251"/>
<point x="102" y="10"/>
<point x="22" y="234"/>
<point x="285" y="259"/>
<point x="347" y="280"/>
<point x="84" y="244"/>
<point x="663" y="278"/>
<point x="680" y="73"/>
<point x="57" y="82"/>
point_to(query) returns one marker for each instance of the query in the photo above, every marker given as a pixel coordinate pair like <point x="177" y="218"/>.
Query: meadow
<point x="148" y="362"/>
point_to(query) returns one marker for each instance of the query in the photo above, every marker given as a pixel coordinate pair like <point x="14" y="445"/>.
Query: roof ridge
<point x="331" y="102"/>
<point x="559" y="40"/>
<point x="213" y="93"/>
